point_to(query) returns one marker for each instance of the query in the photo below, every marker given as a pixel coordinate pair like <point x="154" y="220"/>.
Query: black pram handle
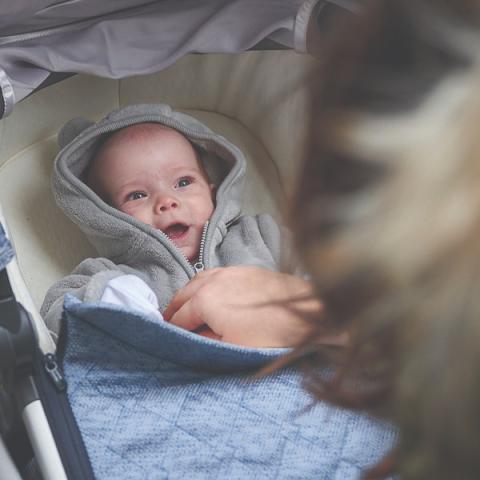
<point x="17" y="336"/>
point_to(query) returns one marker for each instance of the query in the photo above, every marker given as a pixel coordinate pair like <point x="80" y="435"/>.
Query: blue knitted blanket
<point x="153" y="401"/>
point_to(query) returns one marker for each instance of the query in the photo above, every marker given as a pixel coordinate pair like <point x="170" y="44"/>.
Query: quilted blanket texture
<point x="153" y="401"/>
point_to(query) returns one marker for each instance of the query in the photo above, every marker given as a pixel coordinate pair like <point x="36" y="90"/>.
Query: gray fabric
<point x="23" y="16"/>
<point x="120" y="38"/>
<point x="128" y="246"/>
<point x="153" y="401"/>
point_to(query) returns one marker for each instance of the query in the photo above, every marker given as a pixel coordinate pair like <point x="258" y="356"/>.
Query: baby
<point x="153" y="173"/>
<point x="169" y="219"/>
<point x="143" y="197"/>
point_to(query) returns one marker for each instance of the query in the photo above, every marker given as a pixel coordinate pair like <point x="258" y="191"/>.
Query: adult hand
<point x="248" y="306"/>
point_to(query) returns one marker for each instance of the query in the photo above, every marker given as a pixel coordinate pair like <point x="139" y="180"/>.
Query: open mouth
<point x="176" y="231"/>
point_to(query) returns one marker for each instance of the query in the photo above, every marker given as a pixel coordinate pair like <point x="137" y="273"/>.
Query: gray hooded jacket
<point x="129" y="246"/>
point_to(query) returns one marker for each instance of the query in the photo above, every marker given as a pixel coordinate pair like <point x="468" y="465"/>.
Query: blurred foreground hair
<point x="390" y="224"/>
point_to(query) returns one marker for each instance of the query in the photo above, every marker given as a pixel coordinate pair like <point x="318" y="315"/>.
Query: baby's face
<point x="154" y="175"/>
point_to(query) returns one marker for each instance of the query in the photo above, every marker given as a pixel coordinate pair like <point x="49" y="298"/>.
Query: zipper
<point x="199" y="265"/>
<point x="60" y="417"/>
<point x="53" y="371"/>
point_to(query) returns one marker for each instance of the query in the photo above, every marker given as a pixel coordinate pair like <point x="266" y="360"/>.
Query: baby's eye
<point x="136" y="195"/>
<point x="184" y="182"/>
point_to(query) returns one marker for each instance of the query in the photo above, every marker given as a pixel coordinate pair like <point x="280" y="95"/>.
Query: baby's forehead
<point x="144" y="135"/>
<point x="147" y="137"/>
<point x="141" y="132"/>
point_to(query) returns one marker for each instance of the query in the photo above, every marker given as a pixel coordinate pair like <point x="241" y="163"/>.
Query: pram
<point x="226" y="91"/>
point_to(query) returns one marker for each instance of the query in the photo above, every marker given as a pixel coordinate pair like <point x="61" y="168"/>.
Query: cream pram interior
<point x="255" y="99"/>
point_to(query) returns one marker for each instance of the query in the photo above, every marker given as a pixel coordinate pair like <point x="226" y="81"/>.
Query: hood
<point x="114" y="234"/>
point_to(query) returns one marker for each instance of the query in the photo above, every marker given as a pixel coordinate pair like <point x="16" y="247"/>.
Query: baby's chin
<point x="189" y="253"/>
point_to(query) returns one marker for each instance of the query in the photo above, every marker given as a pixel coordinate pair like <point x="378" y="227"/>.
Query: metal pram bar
<point x="18" y="352"/>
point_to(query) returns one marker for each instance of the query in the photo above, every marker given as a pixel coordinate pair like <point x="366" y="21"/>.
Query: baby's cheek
<point x="209" y="208"/>
<point x="138" y="213"/>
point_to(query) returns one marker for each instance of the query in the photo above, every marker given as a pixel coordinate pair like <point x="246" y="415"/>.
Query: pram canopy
<point x="121" y="38"/>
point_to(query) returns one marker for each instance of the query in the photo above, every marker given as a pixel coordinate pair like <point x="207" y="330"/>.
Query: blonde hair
<point x="391" y="226"/>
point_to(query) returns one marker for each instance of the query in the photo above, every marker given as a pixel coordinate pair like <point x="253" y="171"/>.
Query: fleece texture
<point x="155" y="402"/>
<point x="128" y="246"/>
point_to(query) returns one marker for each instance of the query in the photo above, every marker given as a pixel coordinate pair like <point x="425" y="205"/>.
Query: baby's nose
<point x="166" y="203"/>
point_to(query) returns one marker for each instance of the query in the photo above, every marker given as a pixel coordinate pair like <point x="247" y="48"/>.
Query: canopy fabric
<point x="121" y="38"/>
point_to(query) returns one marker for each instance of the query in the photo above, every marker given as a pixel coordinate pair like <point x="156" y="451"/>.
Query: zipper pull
<point x="199" y="267"/>
<point x="51" y="367"/>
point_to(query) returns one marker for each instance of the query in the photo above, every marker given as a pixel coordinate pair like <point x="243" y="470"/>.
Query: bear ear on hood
<point x="72" y="129"/>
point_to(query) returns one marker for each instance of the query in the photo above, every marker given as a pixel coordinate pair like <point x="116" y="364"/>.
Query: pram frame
<point x="33" y="331"/>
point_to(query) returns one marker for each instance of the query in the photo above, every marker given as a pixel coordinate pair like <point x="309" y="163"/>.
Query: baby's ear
<point x="72" y="129"/>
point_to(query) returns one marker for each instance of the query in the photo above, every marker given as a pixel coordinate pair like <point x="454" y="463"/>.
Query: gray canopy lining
<point x="120" y="38"/>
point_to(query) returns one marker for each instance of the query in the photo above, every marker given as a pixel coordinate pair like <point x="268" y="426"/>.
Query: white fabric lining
<point x="131" y="292"/>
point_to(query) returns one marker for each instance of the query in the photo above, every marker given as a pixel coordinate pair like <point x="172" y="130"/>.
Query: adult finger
<point x="186" y="293"/>
<point x="187" y="317"/>
<point x="208" y="332"/>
